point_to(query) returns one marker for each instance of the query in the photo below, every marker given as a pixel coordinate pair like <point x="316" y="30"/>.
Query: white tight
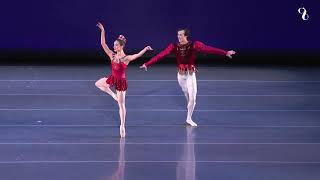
<point x="188" y="84"/>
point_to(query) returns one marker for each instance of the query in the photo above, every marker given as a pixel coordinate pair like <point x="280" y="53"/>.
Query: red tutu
<point x="120" y="84"/>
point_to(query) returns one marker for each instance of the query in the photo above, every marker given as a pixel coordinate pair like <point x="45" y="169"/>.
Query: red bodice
<point x="118" y="69"/>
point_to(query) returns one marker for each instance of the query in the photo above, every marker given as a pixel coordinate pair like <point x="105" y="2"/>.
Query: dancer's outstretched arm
<point x="158" y="57"/>
<point x="135" y="56"/>
<point x="103" y="41"/>
<point x="199" y="46"/>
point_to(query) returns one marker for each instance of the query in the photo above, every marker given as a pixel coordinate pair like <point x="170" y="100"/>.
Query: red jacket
<point x="186" y="54"/>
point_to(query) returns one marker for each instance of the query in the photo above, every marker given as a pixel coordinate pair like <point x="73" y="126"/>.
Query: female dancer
<point x="119" y="63"/>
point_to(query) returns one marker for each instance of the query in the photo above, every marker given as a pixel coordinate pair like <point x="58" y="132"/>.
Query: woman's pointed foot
<point x="114" y="96"/>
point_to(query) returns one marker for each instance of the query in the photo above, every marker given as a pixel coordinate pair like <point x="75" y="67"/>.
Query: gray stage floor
<point x="254" y="123"/>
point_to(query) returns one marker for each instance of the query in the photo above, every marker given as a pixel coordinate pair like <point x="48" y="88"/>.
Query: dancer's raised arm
<point x="103" y="41"/>
<point x="201" y="47"/>
<point x="159" y="56"/>
<point x="135" y="56"/>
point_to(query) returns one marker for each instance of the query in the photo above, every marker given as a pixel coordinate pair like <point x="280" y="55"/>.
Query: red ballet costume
<point x="186" y="54"/>
<point x="118" y="77"/>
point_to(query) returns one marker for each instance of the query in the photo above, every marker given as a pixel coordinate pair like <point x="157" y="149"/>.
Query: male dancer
<point x="185" y="52"/>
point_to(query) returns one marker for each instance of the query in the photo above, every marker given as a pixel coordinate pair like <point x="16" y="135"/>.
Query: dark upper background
<point x="247" y="25"/>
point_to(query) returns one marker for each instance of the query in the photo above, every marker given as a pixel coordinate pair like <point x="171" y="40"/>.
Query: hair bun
<point x="121" y="37"/>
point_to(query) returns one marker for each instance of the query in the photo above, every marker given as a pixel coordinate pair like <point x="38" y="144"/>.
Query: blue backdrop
<point x="246" y="24"/>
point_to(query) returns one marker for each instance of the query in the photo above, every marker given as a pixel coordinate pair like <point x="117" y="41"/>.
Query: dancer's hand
<point x="148" y="48"/>
<point x="100" y="26"/>
<point x="230" y="53"/>
<point x="144" y="67"/>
